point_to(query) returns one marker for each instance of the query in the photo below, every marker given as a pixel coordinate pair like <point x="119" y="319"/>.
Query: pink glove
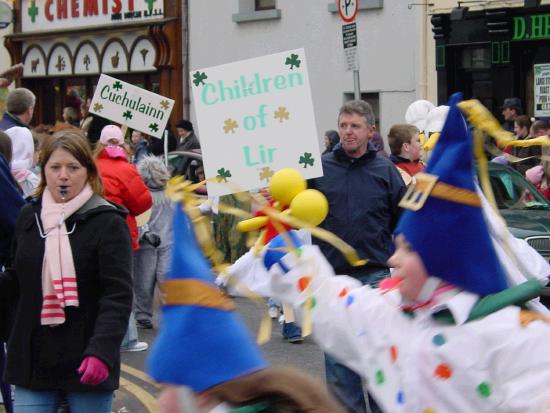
<point x="534" y="174"/>
<point x="93" y="371"/>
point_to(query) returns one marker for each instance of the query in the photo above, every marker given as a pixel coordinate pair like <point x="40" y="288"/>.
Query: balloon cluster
<point x="292" y="205"/>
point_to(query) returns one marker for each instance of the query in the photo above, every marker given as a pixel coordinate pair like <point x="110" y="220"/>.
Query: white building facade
<point x="393" y="41"/>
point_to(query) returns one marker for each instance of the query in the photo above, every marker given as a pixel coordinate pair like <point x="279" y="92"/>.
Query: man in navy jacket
<point x="363" y="191"/>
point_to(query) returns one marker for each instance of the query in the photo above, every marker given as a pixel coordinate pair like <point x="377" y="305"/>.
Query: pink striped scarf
<point x="59" y="288"/>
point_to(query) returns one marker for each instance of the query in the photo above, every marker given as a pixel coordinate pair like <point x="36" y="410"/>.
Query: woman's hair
<point x="5" y="146"/>
<point x="333" y="139"/>
<point x="77" y="147"/>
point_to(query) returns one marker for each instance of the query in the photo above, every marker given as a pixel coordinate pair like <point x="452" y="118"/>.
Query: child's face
<point x="414" y="148"/>
<point x="409" y="268"/>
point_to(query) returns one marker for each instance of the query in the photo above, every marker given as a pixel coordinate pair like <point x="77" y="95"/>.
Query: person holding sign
<point x="363" y="191"/>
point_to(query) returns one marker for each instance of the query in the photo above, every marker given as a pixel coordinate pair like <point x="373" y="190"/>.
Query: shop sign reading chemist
<point x="39" y="15"/>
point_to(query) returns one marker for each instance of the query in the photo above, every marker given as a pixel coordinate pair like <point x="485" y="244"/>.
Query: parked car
<point x="525" y="210"/>
<point x="185" y="163"/>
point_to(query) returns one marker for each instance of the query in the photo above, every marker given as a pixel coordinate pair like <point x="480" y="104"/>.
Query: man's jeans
<point x="345" y="384"/>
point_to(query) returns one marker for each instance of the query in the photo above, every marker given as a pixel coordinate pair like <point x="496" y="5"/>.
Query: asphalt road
<point x="137" y="393"/>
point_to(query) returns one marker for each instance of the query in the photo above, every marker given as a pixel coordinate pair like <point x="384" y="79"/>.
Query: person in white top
<point x="447" y="334"/>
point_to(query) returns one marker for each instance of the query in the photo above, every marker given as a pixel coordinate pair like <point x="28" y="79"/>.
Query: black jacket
<point x="44" y="357"/>
<point x="363" y="194"/>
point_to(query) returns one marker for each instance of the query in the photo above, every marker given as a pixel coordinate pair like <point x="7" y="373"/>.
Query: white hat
<point x="417" y="112"/>
<point x="22" y="147"/>
<point x="436" y="119"/>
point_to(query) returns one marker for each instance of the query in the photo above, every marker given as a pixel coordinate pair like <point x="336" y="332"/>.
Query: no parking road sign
<point x="347" y="9"/>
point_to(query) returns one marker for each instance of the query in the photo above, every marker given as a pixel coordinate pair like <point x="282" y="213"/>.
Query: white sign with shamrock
<point x="255" y="117"/>
<point x="132" y="106"/>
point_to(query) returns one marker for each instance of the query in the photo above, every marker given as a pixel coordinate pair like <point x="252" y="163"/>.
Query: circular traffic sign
<point x="347" y="9"/>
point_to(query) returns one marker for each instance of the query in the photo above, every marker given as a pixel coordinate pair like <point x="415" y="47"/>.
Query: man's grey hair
<point x="19" y="100"/>
<point x="359" y="107"/>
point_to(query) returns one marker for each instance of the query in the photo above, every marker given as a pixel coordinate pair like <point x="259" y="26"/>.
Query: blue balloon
<point x="273" y="255"/>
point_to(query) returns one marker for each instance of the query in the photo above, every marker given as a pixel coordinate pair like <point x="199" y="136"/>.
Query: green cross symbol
<point x="223" y="174"/>
<point x="150" y="4"/>
<point x="127" y="115"/>
<point x="154" y="127"/>
<point x="33" y="11"/>
<point x="306" y="159"/>
<point x="199" y="78"/>
<point x="293" y="60"/>
<point x="117" y="85"/>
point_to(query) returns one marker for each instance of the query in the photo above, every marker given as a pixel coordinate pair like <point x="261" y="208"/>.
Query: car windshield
<point x="512" y="191"/>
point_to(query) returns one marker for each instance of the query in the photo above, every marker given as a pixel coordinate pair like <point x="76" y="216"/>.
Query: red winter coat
<point x="124" y="186"/>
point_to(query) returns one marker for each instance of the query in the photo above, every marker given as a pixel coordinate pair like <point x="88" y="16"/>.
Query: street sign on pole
<point x="349" y="36"/>
<point x="347" y="10"/>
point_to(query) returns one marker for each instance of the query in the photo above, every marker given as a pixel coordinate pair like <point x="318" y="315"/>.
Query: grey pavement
<point x="136" y="391"/>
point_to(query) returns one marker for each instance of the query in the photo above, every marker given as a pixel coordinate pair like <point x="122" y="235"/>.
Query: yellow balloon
<point x="310" y="206"/>
<point x="285" y="184"/>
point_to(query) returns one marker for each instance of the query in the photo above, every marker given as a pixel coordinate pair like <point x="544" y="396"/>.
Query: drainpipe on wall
<point x="185" y="58"/>
<point x="424" y="54"/>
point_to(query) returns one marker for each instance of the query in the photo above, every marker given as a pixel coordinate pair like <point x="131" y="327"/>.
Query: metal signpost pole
<point x="347" y="10"/>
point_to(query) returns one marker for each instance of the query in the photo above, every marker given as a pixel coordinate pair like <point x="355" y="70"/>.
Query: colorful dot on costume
<point x="484" y="389"/>
<point x="343" y="292"/>
<point x="400" y="397"/>
<point x="393" y="353"/>
<point x="349" y="300"/>
<point x="312" y="302"/>
<point x="379" y="377"/>
<point x="303" y="283"/>
<point x="439" y="340"/>
<point x="443" y="371"/>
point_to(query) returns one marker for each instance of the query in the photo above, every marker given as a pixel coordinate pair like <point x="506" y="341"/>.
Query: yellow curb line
<point x="139" y="374"/>
<point x="144" y="397"/>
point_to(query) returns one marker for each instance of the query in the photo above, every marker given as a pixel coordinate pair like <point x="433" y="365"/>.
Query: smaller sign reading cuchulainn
<point x="132" y="106"/>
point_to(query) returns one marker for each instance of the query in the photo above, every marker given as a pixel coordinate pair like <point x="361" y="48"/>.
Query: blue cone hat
<point x="202" y="341"/>
<point x="443" y="219"/>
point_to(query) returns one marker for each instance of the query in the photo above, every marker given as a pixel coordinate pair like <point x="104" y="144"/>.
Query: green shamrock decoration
<point x="127" y="115"/>
<point x="165" y="104"/>
<point x="199" y="77"/>
<point x="293" y="61"/>
<point x="306" y="159"/>
<point x="117" y="85"/>
<point x="223" y="174"/>
<point x="98" y="107"/>
<point x="154" y="127"/>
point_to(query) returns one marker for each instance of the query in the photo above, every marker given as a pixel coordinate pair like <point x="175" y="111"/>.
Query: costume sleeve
<point x="115" y="300"/>
<point x="350" y="321"/>
<point x="520" y="363"/>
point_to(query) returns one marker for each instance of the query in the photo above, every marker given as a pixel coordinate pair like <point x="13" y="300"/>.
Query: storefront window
<point x="476" y="58"/>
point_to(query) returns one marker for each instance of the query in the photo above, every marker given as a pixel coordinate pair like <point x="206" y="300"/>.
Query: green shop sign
<point x="532" y="27"/>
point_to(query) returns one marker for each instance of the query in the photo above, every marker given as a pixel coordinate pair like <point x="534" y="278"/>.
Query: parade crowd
<point x="88" y="235"/>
